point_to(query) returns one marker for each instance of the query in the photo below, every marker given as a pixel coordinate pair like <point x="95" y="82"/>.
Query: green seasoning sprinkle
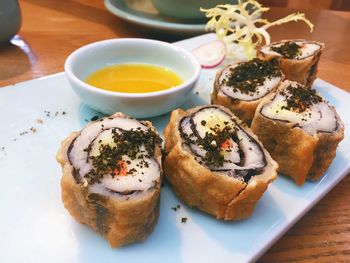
<point x="247" y="76"/>
<point x="211" y="143"/>
<point x="288" y="50"/>
<point x="300" y="98"/>
<point x="127" y="143"/>
<point x="183" y="220"/>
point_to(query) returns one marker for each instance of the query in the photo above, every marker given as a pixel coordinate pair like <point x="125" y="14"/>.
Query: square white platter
<point x="35" y="227"/>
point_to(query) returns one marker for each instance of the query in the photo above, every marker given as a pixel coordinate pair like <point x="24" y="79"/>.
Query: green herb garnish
<point x="300" y="98"/>
<point x="126" y="143"/>
<point x="288" y="50"/>
<point x="247" y="76"/>
<point x="213" y="143"/>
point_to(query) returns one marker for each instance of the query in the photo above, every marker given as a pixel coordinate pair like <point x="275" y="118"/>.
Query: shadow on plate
<point x="239" y="236"/>
<point x="87" y="114"/>
<point x="162" y="245"/>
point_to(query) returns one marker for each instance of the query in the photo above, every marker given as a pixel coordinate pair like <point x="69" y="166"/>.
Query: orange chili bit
<point x="226" y="144"/>
<point x="121" y="168"/>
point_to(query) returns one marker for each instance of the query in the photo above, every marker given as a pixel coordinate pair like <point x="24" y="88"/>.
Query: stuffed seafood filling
<point x="293" y="49"/>
<point x="302" y="106"/>
<point x="115" y="156"/>
<point x="220" y="144"/>
<point x="250" y="80"/>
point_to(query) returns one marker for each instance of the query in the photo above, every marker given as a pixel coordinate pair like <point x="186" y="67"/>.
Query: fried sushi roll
<point x="298" y="59"/>
<point x="300" y="130"/>
<point x="241" y="86"/>
<point x="215" y="163"/>
<point x="111" y="177"/>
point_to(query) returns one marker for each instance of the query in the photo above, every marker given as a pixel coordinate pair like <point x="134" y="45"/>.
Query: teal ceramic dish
<point x="152" y="19"/>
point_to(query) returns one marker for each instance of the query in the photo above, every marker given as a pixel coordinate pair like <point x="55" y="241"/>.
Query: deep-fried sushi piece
<point x="215" y="163"/>
<point x="241" y="86"/>
<point x="111" y="177"/>
<point x="298" y="59"/>
<point x="300" y="130"/>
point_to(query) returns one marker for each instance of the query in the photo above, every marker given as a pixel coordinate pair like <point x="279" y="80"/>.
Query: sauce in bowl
<point x="134" y="78"/>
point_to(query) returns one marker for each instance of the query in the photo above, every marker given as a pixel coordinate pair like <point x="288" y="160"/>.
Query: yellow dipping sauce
<point x="134" y="78"/>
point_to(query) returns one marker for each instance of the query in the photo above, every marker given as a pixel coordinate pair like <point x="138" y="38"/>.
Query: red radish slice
<point x="211" y="54"/>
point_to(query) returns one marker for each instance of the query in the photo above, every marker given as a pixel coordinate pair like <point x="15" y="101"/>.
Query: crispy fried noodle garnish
<point x="241" y="25"/>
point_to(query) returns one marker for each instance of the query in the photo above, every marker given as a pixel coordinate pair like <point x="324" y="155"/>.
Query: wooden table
<point x="52" y="29"/>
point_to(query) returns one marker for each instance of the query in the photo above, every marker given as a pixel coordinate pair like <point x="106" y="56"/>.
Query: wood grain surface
<point x="52" y="29"/>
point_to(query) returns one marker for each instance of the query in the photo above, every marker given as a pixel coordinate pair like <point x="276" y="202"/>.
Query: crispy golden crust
<point x="303" y="71"/>
<point x="244" y="110"/>
<point x="221" y="196"/>
<point x="298" y="154"/>
<point x="325" y="152"/>
<point x="120" y="221"/>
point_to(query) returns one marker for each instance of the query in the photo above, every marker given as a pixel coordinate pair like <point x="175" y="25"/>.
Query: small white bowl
<point x="90" y="58"/>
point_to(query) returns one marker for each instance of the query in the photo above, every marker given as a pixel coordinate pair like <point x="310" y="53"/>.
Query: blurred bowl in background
<point x="186" y="9"/>
<point x="10" y="19"/>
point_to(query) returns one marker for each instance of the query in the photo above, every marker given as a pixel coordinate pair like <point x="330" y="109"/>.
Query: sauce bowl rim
<point x="188" y="58"/>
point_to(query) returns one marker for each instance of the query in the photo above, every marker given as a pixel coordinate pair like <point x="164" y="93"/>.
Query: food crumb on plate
<point x="55" y="114"/>
<point x="94" y="118"/>
<point x="175" y="208"/>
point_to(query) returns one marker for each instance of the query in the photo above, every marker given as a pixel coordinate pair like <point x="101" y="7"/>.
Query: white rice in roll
<point x="111" y="177"/>
<point x="241" y="86"/>
<point x="299" y="129"/>
<point x="298" y="59"/>
<point x="215" y="163"/>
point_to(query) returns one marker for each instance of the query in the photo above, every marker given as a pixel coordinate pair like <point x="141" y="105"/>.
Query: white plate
<point x="36" y="228"/>
<point x="143" y="13"/>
